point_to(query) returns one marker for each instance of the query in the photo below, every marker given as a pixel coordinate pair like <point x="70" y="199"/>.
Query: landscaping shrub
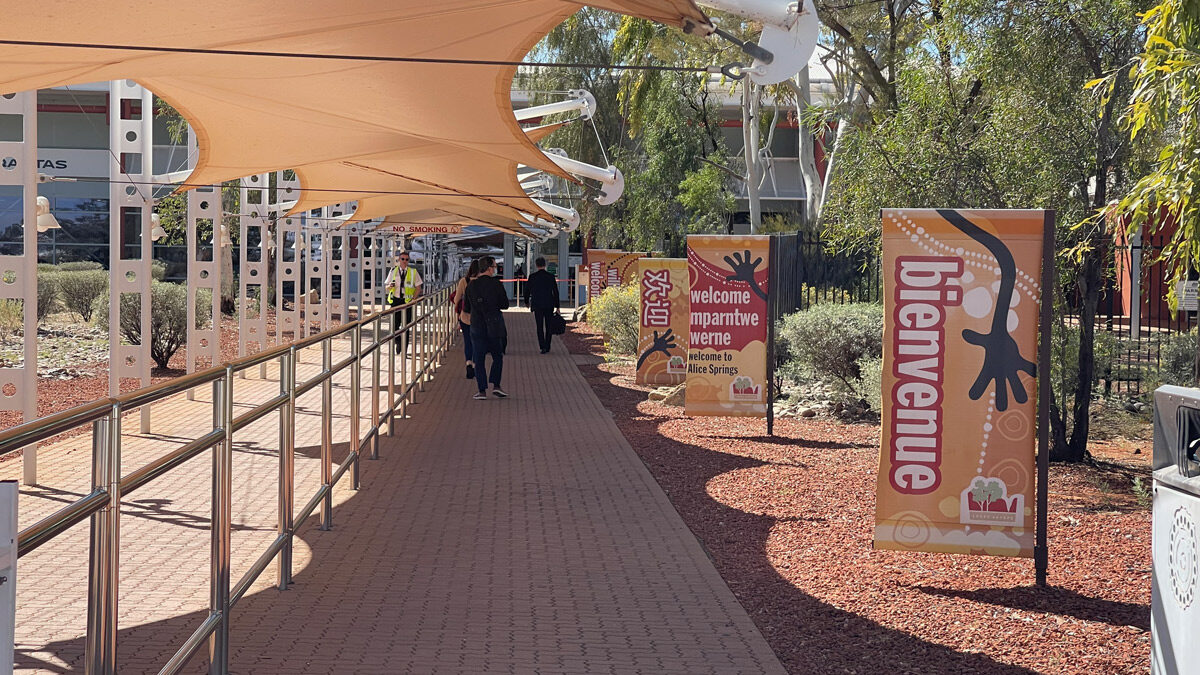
<point x="829" y="342"/>
<point x="616" y="313"/>
<point x="168" y="319"/>
<point x="158" y="270"/>
<point x="12" y="319"/>
<point x="80" y="266"/>
<point x="80" y="290"/>
<point x="871" y="390"/>
<point x="47" y="295"/>
<point x="1177" y="359"/>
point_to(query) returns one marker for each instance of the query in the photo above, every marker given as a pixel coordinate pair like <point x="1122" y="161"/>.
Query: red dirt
<point x="788" y="522"/>
<point x="58" y="395"/>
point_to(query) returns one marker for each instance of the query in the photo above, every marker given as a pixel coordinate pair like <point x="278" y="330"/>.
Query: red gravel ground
<point x="57" y="395"/>
<point x="788" y="522"/>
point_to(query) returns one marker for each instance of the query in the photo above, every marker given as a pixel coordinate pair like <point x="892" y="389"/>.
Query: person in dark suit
<point x="485" y="299"/>
<point x="541" y="294"/>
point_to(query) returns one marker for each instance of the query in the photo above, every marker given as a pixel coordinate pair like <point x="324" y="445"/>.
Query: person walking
<point x="541" y="295"/>
<point x="404" y="285"/>
<point x="484" y="300"/>
<point x="464" y="316"/>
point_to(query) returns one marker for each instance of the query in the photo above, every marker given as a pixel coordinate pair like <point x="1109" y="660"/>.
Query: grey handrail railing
<point x="424" y="340"/>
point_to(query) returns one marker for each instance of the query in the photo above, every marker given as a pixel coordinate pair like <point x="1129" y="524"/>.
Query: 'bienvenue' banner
<point x="962" y="296"/>
<point x="663" y="325"/>
<point x="727" y="340"/>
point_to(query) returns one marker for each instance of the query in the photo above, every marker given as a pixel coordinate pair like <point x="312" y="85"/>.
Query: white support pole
<point x="289" y="245"/>
<point x="203" y="272"/>
<point x="130" y="200"/>
<point x="336" y="268"/>
<point x="564" y="265"/>
<point x="353" y="294"/>
<point x="252" y="279"/>
<point x="18" y="273"/>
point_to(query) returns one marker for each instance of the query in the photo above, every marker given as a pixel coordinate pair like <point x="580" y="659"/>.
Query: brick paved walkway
<point x="519" y="535"/>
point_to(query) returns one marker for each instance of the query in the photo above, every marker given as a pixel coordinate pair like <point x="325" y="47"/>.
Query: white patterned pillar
<point x="203" y="272"/>
<point x="131" y="144"/>
<point x="18" y="272"/>
<point x="252" y="277"/>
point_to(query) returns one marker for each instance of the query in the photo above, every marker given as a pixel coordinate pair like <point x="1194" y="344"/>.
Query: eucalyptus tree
<point x="984" y="107"/>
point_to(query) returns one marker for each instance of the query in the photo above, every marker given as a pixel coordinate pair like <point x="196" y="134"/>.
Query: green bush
<point x="47" y="295"/>
<point x="616" y="313"/>
<point x="80" y="266"/>
<point x="168" y="319"/>
<point x="12" y="319"/>
<point x="871" y="389"/>
<point x="46" y="268"/>
<point x="80" y="290"/>
<point x="158" y="270"/>
<point x="828" y="342"/>
<point x="1177" y="359"/>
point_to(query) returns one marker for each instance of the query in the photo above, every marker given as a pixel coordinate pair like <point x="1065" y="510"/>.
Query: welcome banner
<point x="663" y="325"/>
<point x="962" y="296"/>
<point x="727" y="340"/>
<point x="597" y="266"/>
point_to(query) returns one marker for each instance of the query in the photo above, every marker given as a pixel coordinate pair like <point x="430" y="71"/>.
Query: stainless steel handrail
<point x="423" y="340"/>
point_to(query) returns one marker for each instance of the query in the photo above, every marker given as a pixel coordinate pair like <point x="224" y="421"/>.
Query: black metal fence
<point x="808" y="274"/>
<point x="1137" y="335"/>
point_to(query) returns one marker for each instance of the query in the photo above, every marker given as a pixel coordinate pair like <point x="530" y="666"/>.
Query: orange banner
<point x="962" y="296"/>
<point x="727" y="337"/>
<point x="597" y="267"/>
<point x="663" y="326"/>
<point x="623" y="268"/>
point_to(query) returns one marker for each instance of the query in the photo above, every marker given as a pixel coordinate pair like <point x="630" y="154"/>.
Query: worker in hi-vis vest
<point x="403" y="285"/>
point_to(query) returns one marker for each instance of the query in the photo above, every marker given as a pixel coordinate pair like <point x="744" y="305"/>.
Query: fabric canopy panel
<point x="395" y="127"/>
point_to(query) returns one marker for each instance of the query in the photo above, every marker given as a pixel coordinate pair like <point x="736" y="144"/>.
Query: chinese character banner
<point x="962" y="294"/>
<point x="727" y="336"/>
<point x="663" y="326"/>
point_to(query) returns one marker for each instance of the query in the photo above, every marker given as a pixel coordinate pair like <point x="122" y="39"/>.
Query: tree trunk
<point x="813" y="190"/>
<point x="1090" y="279"/>
<point x="750" y="138"/>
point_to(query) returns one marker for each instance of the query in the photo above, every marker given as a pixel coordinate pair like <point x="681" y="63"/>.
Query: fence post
<point x="356" y="398"/>
<point x="222" y="522"/>
<point x="287" y="460"/>
<point x="327" y="433"/>
<point x="104" y="554"/>
<point x="375" y="422"/>
<point x="391" y="352"/>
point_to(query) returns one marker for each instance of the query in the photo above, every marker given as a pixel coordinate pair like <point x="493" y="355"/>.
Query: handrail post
<point x="104" y="575"/>
<point x="375" y="389"/>
<point x="222" y="523"/>
<point x="355" y="398"/>
<point x="287" y="460"/>
<point x="405" y="339"/>
<point x="327" y="433"/>
<point x="418" y="360"/>
<point x="391" y="352"/>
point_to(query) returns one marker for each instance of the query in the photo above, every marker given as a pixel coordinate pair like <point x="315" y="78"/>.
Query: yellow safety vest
<point x="410" y="286"/>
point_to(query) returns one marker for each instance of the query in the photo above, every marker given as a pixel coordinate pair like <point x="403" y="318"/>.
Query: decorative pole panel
<point x="18" y="264"/>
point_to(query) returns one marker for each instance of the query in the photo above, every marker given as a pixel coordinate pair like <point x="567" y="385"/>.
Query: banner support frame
<point x="772" y="296"/>
<point x="1041" y="553"/>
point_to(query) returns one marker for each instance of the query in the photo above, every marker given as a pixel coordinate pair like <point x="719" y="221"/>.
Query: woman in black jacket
<point x="485" y="299"/>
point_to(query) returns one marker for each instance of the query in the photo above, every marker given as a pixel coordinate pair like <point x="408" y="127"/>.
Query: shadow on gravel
<point x="808" y="635"/>
<point x="780" y="440"/>
<point x="1053" y="600"/>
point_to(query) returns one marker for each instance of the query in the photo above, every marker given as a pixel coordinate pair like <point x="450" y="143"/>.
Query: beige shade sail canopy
<point x="395" y="128"/>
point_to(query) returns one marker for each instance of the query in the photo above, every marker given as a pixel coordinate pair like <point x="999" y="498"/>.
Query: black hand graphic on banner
<point x="743" y="270"/>
<point x="664" y="343"/>
<point x="1002" y="360"/>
